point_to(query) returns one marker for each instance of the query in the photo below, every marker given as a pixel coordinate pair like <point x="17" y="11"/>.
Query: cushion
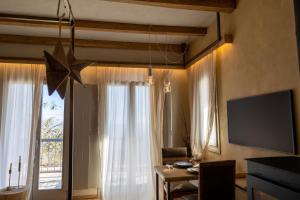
<point x="184" y="187"/>
<point x="190" y="197"/>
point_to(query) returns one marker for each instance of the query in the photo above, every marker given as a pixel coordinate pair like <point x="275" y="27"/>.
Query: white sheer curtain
<point x="128" y="132"/>
<point x="160" y="77"/>
<point x="21" y="88"/>
<point x="202" y="84"/>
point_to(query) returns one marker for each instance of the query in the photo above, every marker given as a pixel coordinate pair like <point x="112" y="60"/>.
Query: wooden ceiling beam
<point x="204" y="5"/>
<point x="47" y="22"/>
<point x="95" y="63"/>
<point x="34" y="40"/>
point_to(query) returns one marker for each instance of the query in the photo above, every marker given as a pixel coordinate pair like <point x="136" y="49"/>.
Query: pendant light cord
<point x="68" y="8"/>
<point x="150" y="54"/>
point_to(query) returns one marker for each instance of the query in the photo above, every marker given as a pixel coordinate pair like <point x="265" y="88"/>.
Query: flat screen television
<point x="265" y="121"/>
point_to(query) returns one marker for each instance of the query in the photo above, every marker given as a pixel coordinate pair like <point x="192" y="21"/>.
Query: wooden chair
<point x="216" y="181"/>
<point x="171" y="155"/>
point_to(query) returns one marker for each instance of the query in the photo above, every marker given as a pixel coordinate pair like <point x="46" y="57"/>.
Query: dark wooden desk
<point x="171" y="175"/>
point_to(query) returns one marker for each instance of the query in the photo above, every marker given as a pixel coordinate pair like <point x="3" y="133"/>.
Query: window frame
<point x="38" y="148"/>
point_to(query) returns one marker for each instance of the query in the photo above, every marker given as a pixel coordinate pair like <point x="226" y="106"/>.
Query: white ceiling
<point x="111" y="11"/>
<point x="107" y="11"/>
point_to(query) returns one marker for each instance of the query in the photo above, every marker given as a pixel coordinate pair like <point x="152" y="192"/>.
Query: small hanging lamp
<point x="150" y="74"/>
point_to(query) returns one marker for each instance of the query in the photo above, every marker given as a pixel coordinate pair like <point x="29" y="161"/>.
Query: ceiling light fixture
<point x="150" y="74"/>
<point x="167" y="83"/>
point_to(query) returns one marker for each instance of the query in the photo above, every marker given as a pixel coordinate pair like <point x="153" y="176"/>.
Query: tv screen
<point x="265" y="121"/>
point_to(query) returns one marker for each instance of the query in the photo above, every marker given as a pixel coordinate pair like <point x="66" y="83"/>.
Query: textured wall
<point x="180" y="110"/>
<point x="85" y="128"/>
<point x="262" y="59"/>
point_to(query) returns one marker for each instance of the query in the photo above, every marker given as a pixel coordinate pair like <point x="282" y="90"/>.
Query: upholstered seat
<point x="190" y="197"/>
<point x="174" y="152"/>
<point x="181" y="189"/>
<point x="184" y="187"/>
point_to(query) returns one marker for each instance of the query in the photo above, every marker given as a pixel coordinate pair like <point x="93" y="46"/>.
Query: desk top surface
<point x="175" y="174"/>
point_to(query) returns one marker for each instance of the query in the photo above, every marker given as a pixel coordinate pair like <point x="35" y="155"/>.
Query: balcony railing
<point x="51" y="156"/>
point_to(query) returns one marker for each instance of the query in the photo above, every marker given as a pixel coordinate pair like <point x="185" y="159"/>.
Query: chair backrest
<point x="174" y="152"/>
<point x="217" y="180"/>
<point x="171" y="155"/>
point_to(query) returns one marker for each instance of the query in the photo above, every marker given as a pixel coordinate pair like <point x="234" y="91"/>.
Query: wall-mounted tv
<point x="265" y="121"/>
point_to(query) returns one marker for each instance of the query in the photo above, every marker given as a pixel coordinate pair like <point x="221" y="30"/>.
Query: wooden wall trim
<point x="227" y="38"/>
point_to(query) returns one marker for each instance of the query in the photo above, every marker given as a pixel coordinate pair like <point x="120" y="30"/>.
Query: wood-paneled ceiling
<point x="116" y="24"/>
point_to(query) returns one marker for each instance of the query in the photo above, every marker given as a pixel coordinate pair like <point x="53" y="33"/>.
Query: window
<point x="15" y="137"/>
<point x="213" y="144"/>
<point x="51" y="141"/>
<point x="127" y="158"/>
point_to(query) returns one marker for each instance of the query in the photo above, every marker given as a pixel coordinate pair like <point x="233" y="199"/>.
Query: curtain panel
<point x="20" y="101"/>
<point x="202" y="95"/>
<point x="132" y="110"/>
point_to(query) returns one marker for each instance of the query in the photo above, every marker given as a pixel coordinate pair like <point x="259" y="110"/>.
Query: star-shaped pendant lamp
<point x="60" y="67"/>
<point x="57" y="70"/>
<point x="76" y="66"/>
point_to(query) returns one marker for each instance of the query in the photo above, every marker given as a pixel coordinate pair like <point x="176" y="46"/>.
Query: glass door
<point x="50" y="171"/>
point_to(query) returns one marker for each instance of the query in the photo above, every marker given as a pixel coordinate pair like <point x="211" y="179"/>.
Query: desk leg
<point x="157" y="187"/>
<point x="168" y="191"/>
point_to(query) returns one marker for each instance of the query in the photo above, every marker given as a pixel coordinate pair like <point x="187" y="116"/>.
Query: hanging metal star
<point x="59" y="68"/>
<point x="76" y="66"/>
